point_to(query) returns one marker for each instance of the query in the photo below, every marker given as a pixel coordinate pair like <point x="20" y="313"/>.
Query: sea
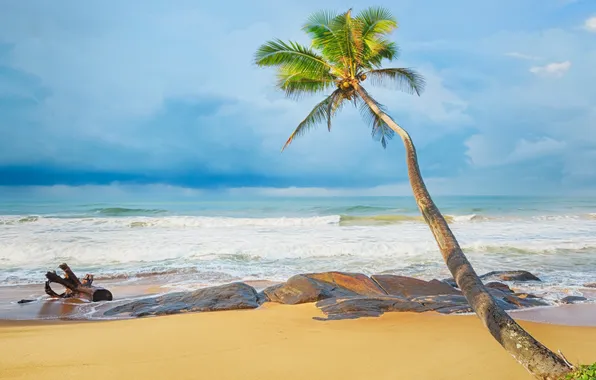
<point x="192" y="244"/>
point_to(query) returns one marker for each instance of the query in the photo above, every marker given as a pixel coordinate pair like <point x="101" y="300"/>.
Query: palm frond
<point x="297" y="83"/>
<point x="320" y="113"/>
<point x="335" y="104"/>
<point x="334" y="35"/>
<point x="383" y="49"/>
<point x="290" y="54"/>
<point x="404" y="79"/>
<point x="377" y="22"/>
<point x="380" y="130"/>
<point x="318" y="26"/>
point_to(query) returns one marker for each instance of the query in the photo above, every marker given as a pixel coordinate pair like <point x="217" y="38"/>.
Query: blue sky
<point x="105" y="94"/>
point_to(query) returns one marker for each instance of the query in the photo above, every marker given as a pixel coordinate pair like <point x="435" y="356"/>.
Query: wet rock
<point x="301" y="289"/>
<point x="412" y="287"/>
<point x="358" y="307"/>
<point x="515" y="275"/>
<point x="25" y="301"/>
<point x="524" y="300"/>
<point x="314" y="287"/>
<point x="445" y="304"/>
<point x="573" y="299"/>
<point x="499" y="286"/>
<point x="354" y="282"/>
<point x="591" y="285"/>
<point x="225" y="297"/>
<point x="451" y="282"/>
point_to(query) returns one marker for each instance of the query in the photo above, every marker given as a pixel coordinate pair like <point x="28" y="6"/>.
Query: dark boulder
<point x="354" y="282"/>
<point x="514" y="275"/>
<point x="225" y="297"/>
<point x="499" y="286"/>
<point x="314" y="287"/>
<point x="444" y="304"/>
<point x="301" y="289"/>
<point x="524" y="300"/>
<point x="412" y="287"/>
<point x="573" y="299"/>
<point x="357" y="307"/>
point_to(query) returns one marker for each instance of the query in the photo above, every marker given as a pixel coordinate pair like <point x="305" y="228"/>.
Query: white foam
<point x="221" y="249"/>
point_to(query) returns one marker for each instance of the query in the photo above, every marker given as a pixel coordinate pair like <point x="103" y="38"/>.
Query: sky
<point x="101" y="96"/>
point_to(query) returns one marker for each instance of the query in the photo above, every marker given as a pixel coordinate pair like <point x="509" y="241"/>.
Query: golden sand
<point x="274" y="342"/>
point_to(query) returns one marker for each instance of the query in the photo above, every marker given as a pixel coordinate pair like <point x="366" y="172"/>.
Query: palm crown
<point x="344" y="52"/>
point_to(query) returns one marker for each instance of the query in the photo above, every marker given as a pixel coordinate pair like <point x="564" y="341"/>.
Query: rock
<point x="515" y="275"/>
<point x="232" y="296"/>
<point x="573" y="299"/>
<point x="357" y="307"/>
<point x="25" y="301"/>
<point x="592" y="285"/>
<point x="314" y="287"/>
<point x="450" y="282"/>
<point x="354" y="282"/>
<point x="529" y="301"/>
<point x="445" y="304"/>
<point x="500" y="286"/>
<point x="412" y="287"/>
<point x="301" y="289"/>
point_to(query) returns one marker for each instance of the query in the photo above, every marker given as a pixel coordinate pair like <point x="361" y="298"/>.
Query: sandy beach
<point x="272" y="342"/>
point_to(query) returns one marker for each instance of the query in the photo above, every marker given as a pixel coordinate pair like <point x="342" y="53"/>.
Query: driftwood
<point x="75" y="287"/>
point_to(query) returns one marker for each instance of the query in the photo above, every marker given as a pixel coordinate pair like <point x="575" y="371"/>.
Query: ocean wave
<point x="357" y="209"/>
<point x="123" y="211"/>
<point x="367" y="220"/>
<point x="359" y="220"/>
<point x="19" y="220"/>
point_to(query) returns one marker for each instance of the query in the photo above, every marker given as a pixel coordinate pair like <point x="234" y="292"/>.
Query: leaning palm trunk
<point x="536" y="358"/>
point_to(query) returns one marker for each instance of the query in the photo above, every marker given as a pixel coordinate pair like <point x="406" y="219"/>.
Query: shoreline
<point x="60" y="312"/>
<point x="43" y="309"/>
<point x="274" y="341"/>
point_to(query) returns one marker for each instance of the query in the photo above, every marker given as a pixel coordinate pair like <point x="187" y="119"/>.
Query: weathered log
<point x="74" y="286"/>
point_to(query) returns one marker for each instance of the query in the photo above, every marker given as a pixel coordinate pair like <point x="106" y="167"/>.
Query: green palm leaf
<point x="295" y="83"/>
<point x="406" y="80"/>
<point x="322" y="112"/>
<point x="291" y="55"/>
<point x="380" y="130"/>
<point x="377" y="22"/>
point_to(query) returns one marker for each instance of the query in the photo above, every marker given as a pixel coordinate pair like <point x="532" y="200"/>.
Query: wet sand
<point x="273" y="342"/>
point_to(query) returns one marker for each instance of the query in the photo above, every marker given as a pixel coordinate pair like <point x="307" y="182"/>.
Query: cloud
<point x="590" y="24"/>
<point x="552" y="69"/>
<point x="92" y="95"/>
<point x="522" y="56"/>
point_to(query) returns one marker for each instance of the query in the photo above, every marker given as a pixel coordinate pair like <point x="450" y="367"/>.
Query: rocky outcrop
<point x="513" y="275"/>
<point x="350" y="295"/>
<point x="313" y="287"/>
<point x="225" y="297"/>
<point x="339" y="295"/>
<point x="499" y="286"/>
<point x="592" y="285"/>
<point x="360" y="306"/>
<point x="412" y="287"/>
<point x="573" y="299"/>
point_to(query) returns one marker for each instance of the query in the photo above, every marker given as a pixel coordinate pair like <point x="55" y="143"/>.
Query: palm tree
<point x="345" y="52"/>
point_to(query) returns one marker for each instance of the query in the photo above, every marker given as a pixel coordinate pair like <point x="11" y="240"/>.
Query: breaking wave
<point x="123" y="211"/>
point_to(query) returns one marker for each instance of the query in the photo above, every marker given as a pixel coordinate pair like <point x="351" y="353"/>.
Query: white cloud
<point x="515" y="54"/>
<point x="552" y="69"/>
<point x="525" y="149"/>
<point x="487" y="151"/>
<point x="590" y="24"/>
